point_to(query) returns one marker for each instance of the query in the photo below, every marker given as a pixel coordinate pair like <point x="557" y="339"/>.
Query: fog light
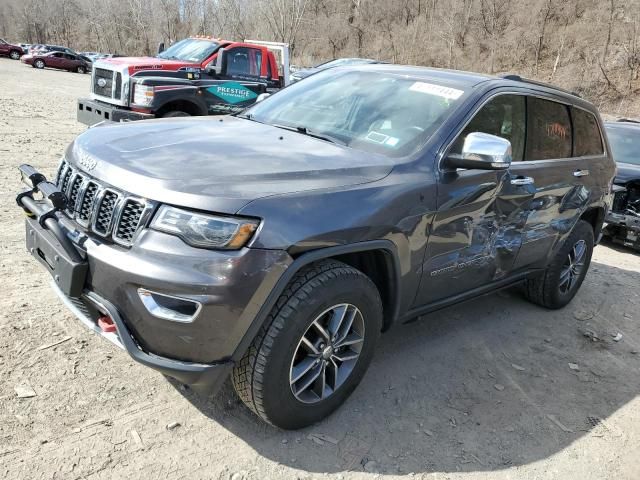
<point x="169" y="307"/>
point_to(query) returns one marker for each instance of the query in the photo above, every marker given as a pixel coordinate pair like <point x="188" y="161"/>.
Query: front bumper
<point x="91" y="112"/>
<point x="623" y="229"/>
<point x="203" y="378"/>
<point x="95" y="277"/>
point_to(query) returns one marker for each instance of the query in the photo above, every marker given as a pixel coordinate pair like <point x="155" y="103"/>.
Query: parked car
<point x="277" y="244"/>
<point x="25" y="47"/>
<point x="10" y="50"/>
<point x="301" y="73"/>
<point x="60" y="60"/>
<point x="41" y="49"/>
<point x="623" y="221"/>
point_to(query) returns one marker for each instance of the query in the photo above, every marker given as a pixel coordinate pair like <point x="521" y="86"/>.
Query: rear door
<point x="559" y="160"/>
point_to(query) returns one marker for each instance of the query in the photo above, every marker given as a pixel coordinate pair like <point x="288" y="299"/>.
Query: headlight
<point x="142" y="95"/>
<point x="204" y="231"/>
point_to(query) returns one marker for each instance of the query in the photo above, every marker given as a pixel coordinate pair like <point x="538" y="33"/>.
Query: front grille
<point x="102" y="75"/>
<point x="84" y="212"/>
<point x="101" y="209"/>
<point x="129" y="220"/>
<point x="73" y="193"/>
<point x="105" y="212"/>
<point x="118" y="91"/>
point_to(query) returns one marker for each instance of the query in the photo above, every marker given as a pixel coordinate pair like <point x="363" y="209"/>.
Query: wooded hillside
<point x="588" y="46"/>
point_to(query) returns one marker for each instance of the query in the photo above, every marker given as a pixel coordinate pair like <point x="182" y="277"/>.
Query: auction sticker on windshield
<point x="438" y="90"/>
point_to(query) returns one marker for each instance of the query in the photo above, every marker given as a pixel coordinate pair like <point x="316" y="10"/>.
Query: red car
<point x="63" y="61"/>
<point x="10" y="50"/>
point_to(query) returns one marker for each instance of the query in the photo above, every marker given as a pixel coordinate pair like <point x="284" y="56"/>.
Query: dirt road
<point x="493" y="389"/>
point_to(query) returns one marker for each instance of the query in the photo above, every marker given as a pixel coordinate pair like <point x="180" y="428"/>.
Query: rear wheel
<point x="175" y="113"/>
<point x="315" y="347"/>
<point x="14" y="55"/>
<point x="564" y="275"/>
<point x="39" y="64"/>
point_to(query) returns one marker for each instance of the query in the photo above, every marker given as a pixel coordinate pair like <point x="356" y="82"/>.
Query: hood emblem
<point x="87" y="161"/>
<point x="102" y="82"/>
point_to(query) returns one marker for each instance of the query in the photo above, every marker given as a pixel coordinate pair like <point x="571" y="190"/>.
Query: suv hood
<point x="217" y="164"/>
<point x="626" y="172"/>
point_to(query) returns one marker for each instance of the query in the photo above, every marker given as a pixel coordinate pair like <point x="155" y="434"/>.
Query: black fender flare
<point x="313" y="256"/>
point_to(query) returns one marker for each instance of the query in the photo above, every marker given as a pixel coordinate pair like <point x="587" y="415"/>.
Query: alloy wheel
<point x="573" y="266"/>
<point x="327" y="353"/>
<point x="14" y="55"/>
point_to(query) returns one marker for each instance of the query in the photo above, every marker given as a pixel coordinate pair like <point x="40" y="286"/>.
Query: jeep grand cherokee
<point x="278" y="244"/>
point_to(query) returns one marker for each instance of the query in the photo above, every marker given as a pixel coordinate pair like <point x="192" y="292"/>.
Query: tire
<point x="80" y="69"/>
<point x="175" y="113"/>
<point x="14" y="55"/>
<point x="556" y="288"/>
<point x="39" y="64"/>
<point x="262" y="378"/>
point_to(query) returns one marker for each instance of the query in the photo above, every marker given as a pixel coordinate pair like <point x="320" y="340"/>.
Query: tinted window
<point x="504" y="116"/>
<point x="244" y="61"/>
<point x="548" y="130"/>
<point x="586" y="134"/>
<point x="624" y="143"/>
<point x="70" y="57"/>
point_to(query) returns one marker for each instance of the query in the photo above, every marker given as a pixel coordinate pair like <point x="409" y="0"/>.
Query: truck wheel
<point x="38" y="64"/>
<point x="564" y="275"/>
<point x="175" y="113"/>
<point x="314" y="347"/>
<point x="80" y="69"/>
<point x="14" y="55"/>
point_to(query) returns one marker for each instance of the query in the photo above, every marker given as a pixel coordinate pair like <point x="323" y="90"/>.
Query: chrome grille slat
<point x="105" y="211"/>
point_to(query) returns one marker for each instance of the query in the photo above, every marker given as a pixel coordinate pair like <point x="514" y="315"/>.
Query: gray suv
<point x="276" y="245"/>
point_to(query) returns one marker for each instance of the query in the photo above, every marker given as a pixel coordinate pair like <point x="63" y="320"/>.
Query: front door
<point x="477" y="229"/>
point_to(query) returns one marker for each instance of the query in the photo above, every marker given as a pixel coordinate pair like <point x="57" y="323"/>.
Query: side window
<point x="587" y="139"/>
<point x="548" y="130"/>
<point x="57" y="55"/>
<point x="503" y="116"/>
<point x="69" y="56"/>
<point x="244" y="61"/>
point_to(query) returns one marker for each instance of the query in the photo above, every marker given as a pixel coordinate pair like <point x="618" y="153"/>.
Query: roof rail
<point x="629" y="120"/>
<point x="518" y="78"/>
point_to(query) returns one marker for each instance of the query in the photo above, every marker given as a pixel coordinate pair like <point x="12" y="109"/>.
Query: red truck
<point x="10" y="50"/>
<point x="195" y="76"/>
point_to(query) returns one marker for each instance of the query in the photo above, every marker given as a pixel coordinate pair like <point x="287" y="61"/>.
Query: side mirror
<point x="482" y="151"/>
<point x="218" y="66"/>
<point x="262" y="96"/>
<point x="160" y="47"/>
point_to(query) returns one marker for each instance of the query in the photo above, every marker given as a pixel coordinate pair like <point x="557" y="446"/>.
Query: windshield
<point x="624" y="144"/>
<point x="371" y="111"/>
<point x="190" y="50"/>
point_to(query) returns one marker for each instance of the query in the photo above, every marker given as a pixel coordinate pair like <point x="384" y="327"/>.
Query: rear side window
<point x="586" y="134"/>
<point x="548" y="130"/>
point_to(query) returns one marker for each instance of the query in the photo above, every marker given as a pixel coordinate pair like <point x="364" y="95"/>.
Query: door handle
<point x="522" y="181"/>
<point x="581" y="173"/>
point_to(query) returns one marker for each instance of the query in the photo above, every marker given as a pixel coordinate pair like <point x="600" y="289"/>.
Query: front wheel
<point x="81" y="69"/>
<point x="564" y="275"/>
<point x="314" y="348"/>
<point x="14" y="55"/>
<point x="38" y="64"/>
<point x="175" y="113"/>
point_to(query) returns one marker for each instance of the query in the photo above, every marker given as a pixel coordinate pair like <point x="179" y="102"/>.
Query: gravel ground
<point x="495" y="388"/>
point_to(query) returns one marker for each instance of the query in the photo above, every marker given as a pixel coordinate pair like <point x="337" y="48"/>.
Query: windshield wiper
<point x="311" y="133"/>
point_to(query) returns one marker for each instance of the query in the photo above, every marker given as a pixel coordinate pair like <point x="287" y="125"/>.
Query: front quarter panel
<point x="398" y="208"/>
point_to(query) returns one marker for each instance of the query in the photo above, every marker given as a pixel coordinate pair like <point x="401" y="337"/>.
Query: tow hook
<point x="106" y="324"/>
